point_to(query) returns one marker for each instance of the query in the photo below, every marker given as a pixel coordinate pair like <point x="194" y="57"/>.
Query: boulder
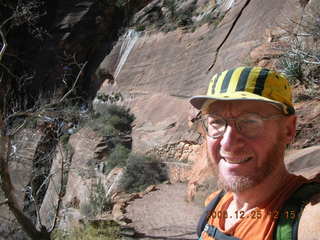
<point x="85" y="173"/>
<point x="304" y="162"/>
<point x="79" y="173"/>
<point x="24" y="150"/>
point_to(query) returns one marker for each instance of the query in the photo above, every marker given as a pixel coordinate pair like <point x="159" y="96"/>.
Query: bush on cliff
<point x="142" y="171"/>
<point x="107" y="230"/>
<point x="113" y="119"/>
<point x="300" y="60"/>
<point x="113" y="122"/>
<point x="117" y="158"/>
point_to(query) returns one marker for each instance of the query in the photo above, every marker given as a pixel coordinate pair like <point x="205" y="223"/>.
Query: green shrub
<point x="140" y="28"/>
<point x="125" y="118"/>
<point x="168" y="27"/>
<point x="102" y="231"/>
<point x="292" y="68"/>
<point x="301" y="55"/>
<point x="121" y="3"/>
<point x="160" y="23"/>
<point x="98" y="202"/>
<point x="117" y="158"/>
<point x="112" y="120"/>
<point x="184" y="19"/>
<point x="64" y="139"/>
<point x="116" y="116"/>
<point x="212" y="18"/>
<point x="142" y="171"/>
<point x="106" y="129"/>
<point x="171" y="5"/>
<point x="109" y="98"/>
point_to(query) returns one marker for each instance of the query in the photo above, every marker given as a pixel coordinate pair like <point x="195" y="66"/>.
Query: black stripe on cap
<point x="260" y="81"/>
<point x="242" y="82"/>
<point x="226" y="81"/>
<point x="215" y="83"/>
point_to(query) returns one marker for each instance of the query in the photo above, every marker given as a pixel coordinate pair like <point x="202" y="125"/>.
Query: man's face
<point x="244" y="162"/>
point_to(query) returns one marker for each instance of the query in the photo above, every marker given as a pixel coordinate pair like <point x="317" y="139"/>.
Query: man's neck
<point x="257" y="195"/>
<point x="246" y="201"/>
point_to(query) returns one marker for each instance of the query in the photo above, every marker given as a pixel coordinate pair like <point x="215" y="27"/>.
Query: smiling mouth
<point x="236" y="161"/>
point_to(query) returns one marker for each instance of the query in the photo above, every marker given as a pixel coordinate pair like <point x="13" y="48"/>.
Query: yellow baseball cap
<point x="247" y="83"/>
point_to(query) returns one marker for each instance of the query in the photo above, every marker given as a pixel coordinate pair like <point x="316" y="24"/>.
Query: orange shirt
<point x="257" y="224"/>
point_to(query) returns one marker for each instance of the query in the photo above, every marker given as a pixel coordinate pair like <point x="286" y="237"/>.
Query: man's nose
<point x="231" y="139"/>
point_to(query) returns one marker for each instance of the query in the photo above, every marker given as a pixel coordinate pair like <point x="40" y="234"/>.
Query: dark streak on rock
<point x="228" y="34"/>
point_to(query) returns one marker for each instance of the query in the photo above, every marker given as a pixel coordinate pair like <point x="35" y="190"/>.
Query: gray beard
<point x="239" y="184"/>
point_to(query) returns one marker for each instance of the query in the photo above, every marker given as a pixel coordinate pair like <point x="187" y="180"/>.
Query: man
<point x="249" y="120"/>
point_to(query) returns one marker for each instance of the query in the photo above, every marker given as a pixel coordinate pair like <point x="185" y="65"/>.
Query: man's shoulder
<point x="220" y="194"/>
<point x="211" y="197"/>
<point x="309" y="226"/>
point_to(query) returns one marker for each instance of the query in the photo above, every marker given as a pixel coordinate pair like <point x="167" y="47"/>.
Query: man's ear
<point x="290" y="128"/>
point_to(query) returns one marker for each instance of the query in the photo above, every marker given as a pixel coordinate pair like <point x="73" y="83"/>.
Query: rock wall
<point x="177" y="152"/>
<point x="164" y="69"/>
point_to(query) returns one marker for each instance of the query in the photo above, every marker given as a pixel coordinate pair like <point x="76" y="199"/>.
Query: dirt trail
<point x="164" y="214"/>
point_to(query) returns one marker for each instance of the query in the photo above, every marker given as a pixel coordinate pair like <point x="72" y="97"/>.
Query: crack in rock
<point x="227" y="36"/>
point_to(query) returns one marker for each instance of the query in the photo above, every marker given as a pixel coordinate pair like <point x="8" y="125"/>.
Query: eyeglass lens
<point x="249" y="125"/>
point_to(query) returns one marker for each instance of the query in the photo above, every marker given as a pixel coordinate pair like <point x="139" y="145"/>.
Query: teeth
<point x="237" y="161"/>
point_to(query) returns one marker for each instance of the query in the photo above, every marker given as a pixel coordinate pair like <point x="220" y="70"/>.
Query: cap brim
<point x="202" y="102"/>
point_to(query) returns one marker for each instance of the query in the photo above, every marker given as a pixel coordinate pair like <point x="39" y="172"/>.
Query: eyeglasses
<point x="249" y="125"/>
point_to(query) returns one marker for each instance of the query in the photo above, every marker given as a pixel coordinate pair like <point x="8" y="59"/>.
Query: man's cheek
<point x="213" y="151"/>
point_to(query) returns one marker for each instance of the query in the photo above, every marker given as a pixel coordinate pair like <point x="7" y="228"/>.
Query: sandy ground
<point x="164" y="214"/>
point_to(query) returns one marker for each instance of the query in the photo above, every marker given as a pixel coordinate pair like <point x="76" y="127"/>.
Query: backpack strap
<point x="212" y="231"/>
<point x="215" y="233"/>
<point x="288" y="222"/>
<point x="207" y="212"/>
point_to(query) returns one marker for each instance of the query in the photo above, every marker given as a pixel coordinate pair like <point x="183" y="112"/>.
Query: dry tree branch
<point x="74" y="83"/>
<point x="3" y="37"/>
<point x="60" y="194"/>
<point x="7" y="69"/>
<point x="5" y="146"/>
<point x="310" y="62"/>
<point x="47" y="180"/>
<point x="4" y="45"/>
<point x="303" y="55"/>
<point x="36" y="206"/>
<point x="38" y="113"/>
<point x="4" y="202"/>
<point x="19" y="128"/>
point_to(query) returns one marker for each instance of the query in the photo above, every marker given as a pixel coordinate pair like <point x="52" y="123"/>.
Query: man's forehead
<point x="244" y="106"/>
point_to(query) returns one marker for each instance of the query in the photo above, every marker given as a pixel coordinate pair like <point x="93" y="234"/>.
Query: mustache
<point x="237" y="153"/>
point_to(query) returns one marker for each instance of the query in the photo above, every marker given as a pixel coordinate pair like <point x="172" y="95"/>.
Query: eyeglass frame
<point x="227" y="120"/>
